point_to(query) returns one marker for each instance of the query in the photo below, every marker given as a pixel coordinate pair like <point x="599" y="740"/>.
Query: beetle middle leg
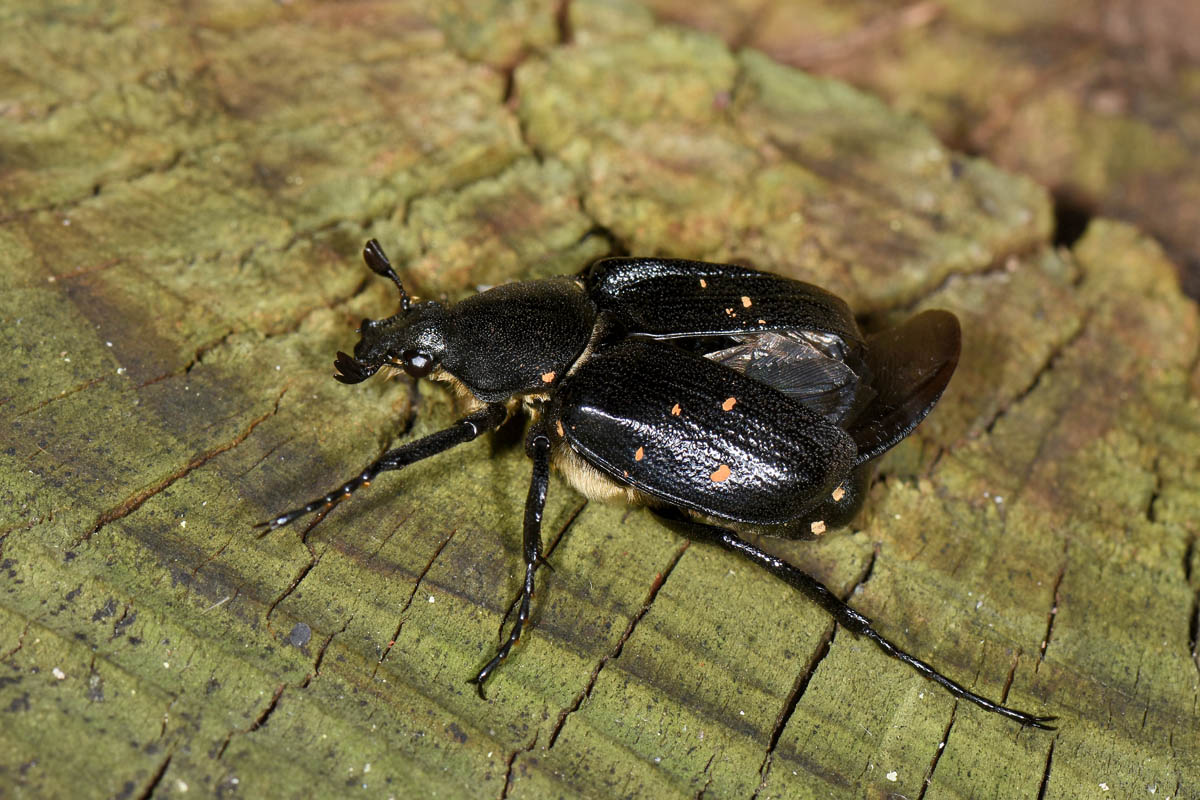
<point x="538" y="447"/>
<point x="843" y="614"/>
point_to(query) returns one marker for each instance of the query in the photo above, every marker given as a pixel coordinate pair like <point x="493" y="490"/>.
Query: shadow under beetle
<point x="726" y="400"/>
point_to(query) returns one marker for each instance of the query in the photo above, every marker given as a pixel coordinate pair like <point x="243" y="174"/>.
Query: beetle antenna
<point x="378" y="261"/>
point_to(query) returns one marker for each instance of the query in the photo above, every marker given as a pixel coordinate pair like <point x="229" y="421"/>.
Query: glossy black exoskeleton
<point x="725" y="399"/>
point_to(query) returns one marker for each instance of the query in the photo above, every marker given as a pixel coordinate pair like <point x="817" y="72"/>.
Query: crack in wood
<point x="562" y="23"/>
<point x="1189" y="550"/>
<point x="314" y="558"/>
<point x="617" y="245"/>
<point x="511" y="761"/>
<point x="933" y="463"/>
<point x="288" y="327"/>
<point x="156" y="777"/>
<point x="197" y="355"/>
<point x="128" y="615"/>
<point x="937" y="755"/>
<point x="259" y="721"/>
<point x="293" y="325"/>
<point x="408" y="603"/>
<point x="800" y="685"/>
<point x="86" y="270"/>
<point x="707" y="783"/>
<point x="659" y="580"/>
<point x="1012" y="674"/>
<point x="1194" y="630"/>
<point x="64" y="207"/>
<point x="790" y="702"/>
<point x="1193" y="627"/>
<point x="320" y="657"/>
<point x="134" y="502"/>
<point x="402" y="212"/>
<point x="1156" y="492"/>
<point x="1041" y="795"/>
<point x="22" y="526"/>
<point x="20" y="642"/>
<point x="1058" y="414"/>
<point x="264" y="716"/>
<point x="374" y="554"/>
<point x="1052" y="358"/>
<point x="1055" y="598"/>
<point x="61" y="395"/>
<point x="300" y="576"/>
<point x="508" y="95"/>
<point x="166" y="717"/>
<point x="211" y="557"/>
<point x="656" y="585"/>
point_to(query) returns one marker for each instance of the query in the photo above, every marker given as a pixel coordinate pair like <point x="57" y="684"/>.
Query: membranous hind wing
<point x="695" y="434"/>
<point x="910" y="366"/>
<point x="813" y="369"/>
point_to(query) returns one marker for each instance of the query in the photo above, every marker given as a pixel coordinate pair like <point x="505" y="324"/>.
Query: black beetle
<point x="725" y="399"/>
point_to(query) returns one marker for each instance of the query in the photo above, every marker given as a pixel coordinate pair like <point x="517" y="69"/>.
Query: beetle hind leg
<point x="843" y="614"/>
<point x="535" y="503"/>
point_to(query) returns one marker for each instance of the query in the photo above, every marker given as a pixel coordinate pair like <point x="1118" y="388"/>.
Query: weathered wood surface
<point x="1099" y="100"/>
<point x="183" y="194"/>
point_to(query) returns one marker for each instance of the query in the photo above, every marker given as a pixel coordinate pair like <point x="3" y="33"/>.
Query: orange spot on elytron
<point x="817" y="527"/>
<point x="762" y="322"/>
<point x="675" y="409"/>
<point x="838" y="494"/>
<point x="640" y="454"/>
<point x="729" y="404"/>
<point x="745" y="301"/>
<point x="548" y="377"/>
<point x="703" y="283"/>
<point x="558" y="426"/>
<point x="721" y="474"/>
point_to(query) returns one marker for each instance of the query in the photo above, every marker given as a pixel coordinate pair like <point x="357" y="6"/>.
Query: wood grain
<point x="184" y="191"/>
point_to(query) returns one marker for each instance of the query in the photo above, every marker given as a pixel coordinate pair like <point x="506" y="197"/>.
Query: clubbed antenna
<point x="377" y="260"/>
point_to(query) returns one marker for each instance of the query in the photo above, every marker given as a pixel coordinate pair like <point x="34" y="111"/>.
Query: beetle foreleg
<point x="539" y="451"/>
<point x="843" y="614"/>
<point x="466" y="429"/>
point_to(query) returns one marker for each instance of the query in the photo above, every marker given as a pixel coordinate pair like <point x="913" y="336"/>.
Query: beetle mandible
<point x="725" y="399"/>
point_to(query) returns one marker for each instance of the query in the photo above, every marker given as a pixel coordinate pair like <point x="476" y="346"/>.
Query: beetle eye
<point x="416" y="364"/>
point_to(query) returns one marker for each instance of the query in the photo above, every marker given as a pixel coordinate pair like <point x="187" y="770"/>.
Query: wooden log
<point x="184" y="195"/>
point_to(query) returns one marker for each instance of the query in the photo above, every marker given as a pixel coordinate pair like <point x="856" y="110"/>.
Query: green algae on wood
<point x="169" y="385"/>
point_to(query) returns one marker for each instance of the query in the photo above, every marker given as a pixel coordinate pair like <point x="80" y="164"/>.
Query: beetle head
<point x="412" y="340"/>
